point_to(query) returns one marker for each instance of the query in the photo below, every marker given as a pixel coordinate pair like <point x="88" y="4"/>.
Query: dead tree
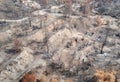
<point x="45" y="3"/>
<point x="29" y="18"/>
<point x="68" y="7"/>
<point x="46" y="36"/>
<point x="108" y="1"/>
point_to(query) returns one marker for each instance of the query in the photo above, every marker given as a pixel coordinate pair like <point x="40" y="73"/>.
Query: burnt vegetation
<point x="60" y="41"/>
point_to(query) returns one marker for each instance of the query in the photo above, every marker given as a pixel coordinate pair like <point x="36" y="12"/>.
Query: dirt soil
<point x="40" y="42"/>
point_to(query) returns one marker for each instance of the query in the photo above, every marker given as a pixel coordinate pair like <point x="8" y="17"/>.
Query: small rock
<point x="5" y="36"/>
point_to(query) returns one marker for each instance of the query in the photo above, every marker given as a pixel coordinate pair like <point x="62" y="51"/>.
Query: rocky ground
<point x="57" y="42"/>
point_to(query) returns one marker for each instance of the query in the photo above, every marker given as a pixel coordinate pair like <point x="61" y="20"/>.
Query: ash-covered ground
<point x="59" y="41"/>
